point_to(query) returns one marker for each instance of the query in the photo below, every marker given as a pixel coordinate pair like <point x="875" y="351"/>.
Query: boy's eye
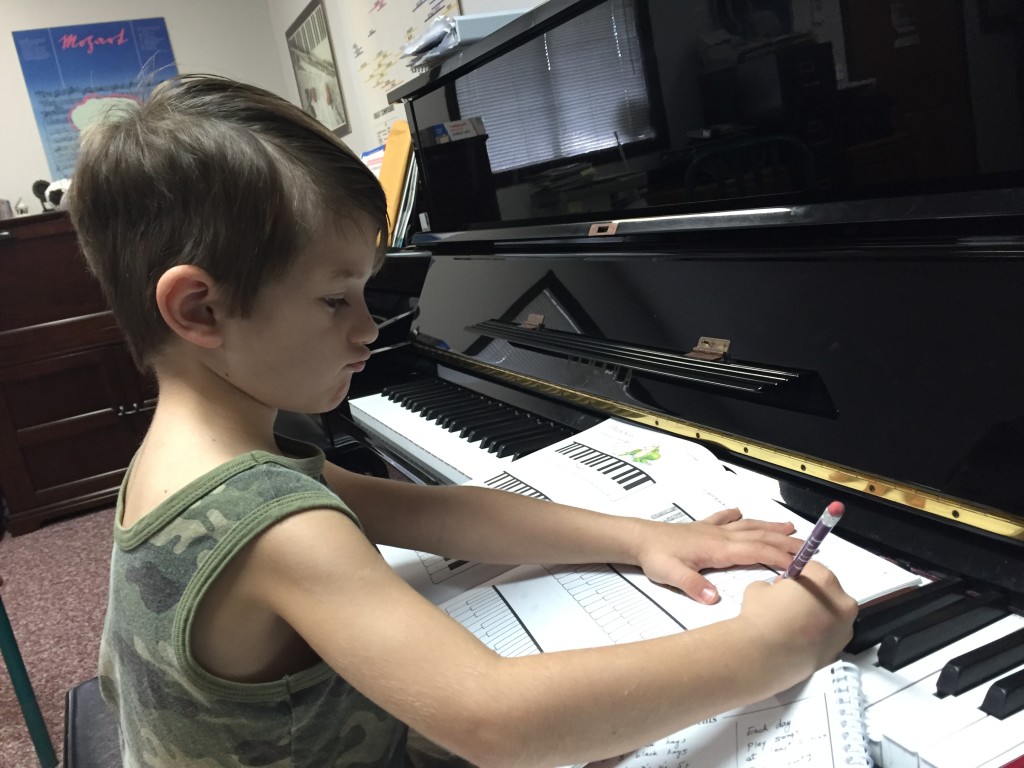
<point x="334" y="302"/>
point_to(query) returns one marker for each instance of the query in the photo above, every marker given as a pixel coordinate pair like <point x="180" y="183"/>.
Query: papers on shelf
<point x="449" y="33"/>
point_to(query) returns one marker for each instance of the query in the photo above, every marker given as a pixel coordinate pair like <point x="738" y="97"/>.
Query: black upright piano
<point x="790" y="231"/>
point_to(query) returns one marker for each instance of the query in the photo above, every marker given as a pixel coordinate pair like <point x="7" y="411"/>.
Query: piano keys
<point x="453" y="433"/>
<point x="906" y="713"/>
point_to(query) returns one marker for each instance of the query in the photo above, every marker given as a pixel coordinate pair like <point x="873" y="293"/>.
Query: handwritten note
<point x="799" y="733"/>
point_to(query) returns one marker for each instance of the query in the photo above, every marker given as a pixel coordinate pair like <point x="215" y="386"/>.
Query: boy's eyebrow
<point x="342" y="272"/>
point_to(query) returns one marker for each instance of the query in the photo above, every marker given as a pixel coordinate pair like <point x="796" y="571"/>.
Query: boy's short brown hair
<point x="211" y="172"/>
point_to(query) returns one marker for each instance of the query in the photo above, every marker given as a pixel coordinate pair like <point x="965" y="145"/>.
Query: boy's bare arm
<point x="319" y="573"/>
<point x="483" y="524"/>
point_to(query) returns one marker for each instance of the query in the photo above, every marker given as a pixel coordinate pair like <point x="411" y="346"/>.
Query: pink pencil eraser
<point x="835" y="509"/>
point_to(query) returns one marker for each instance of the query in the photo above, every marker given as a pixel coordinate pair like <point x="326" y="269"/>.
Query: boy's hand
<point x="674" y="553"/>
<point x="804" y="622"/>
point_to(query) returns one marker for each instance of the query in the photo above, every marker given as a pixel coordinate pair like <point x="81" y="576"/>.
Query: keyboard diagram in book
<point x="622" y="476"/>
<point x="442" y="568"/>
<point x="507" y="482"/>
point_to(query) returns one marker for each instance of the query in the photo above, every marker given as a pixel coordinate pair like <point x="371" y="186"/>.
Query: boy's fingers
<point x="724" y="516"/>
<point x="692" y="583"/>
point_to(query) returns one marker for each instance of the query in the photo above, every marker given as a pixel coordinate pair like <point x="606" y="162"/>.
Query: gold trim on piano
<point x="991" y="520"/>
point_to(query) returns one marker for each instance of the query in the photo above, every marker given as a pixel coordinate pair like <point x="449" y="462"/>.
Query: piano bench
<point x="91" y="738"/>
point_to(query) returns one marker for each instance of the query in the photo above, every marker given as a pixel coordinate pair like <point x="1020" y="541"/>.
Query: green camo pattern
<point x="173" y="713"/>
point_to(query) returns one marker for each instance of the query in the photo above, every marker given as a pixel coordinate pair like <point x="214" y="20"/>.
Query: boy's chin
<point x="335" y="401"/>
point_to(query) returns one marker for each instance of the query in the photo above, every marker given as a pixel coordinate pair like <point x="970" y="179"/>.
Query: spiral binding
<point x="851" y="705"/>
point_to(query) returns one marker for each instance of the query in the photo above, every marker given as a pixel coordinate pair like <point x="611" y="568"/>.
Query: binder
<point x="393" y="169"/>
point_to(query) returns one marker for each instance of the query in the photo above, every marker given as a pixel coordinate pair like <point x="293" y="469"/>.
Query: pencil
<point x="825" y="523"/>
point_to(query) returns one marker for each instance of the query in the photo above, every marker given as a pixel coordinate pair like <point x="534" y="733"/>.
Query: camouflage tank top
<point x="171" y="711"/>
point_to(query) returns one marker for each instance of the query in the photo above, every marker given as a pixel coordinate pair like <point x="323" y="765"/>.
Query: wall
<point x="344" y="34"/>
<point x="224" y="37"/>
<point x="243" y="39"/>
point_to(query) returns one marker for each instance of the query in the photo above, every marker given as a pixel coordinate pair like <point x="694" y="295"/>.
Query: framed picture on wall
<point x="316" y="68"/>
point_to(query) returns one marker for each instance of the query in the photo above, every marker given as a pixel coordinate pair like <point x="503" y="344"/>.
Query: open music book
<point x="622" y="468"/>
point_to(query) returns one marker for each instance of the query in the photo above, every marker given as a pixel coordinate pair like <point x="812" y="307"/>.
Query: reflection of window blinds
<point x="564" y="93"/>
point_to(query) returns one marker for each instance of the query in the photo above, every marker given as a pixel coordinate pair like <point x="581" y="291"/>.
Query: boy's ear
<point x="189" y="302"/>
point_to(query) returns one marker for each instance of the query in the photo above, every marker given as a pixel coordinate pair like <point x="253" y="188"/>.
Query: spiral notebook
<point x="818" y="723"/>
<point x="540" y="609"/>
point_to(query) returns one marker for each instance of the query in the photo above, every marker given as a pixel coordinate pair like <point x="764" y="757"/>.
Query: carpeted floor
<point x="55" y="592"/>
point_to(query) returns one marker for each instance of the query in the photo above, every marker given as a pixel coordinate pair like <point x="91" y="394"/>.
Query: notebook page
<point x="806" y="726"/>
<point x="536" y="609"/>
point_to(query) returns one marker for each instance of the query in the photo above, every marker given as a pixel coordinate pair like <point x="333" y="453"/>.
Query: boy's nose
<point x="365" y="331"/>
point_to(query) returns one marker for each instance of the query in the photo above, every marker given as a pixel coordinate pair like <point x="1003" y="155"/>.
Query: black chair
<point x="91" y="738"/>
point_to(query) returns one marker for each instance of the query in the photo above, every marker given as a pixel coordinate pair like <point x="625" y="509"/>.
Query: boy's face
<point x="308" y="331"/>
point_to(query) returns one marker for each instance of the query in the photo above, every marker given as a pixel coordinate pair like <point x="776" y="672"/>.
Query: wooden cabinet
<point x="73" y="407"/>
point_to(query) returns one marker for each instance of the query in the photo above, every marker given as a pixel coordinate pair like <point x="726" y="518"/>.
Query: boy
<point x="251" y="621"/>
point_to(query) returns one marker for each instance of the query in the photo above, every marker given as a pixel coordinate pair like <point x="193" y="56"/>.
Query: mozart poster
<point x="75" y="74"/>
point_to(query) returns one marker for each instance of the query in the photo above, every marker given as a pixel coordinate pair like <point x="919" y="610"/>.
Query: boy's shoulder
<point x="235" y="483"/>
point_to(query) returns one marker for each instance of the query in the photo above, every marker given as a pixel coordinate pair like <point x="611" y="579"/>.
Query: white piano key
<point x="915" y="718"/>
<point x="986" y="741"/>
<point x="1003" y="760"/>
<point x="451" y="456"/>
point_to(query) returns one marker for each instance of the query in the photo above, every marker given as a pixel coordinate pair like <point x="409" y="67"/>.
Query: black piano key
<point x="396" y="391"/>
<point x="477" y="429"/>
<point x="408" y="399"/>
<point x="938" y="629"/>
<point x="500" y="446"/>
<point x="431" y="412"/>
<point x="876" y="621"/>
<point x="423" y="402"/>
<point x="407" y="385"/>
<point x="465" y="405"/>
<point x="975" y="667"/>
<point x="419" y="403"/>
<point x="456" y="421"/>
<point x="1005" y="697"/>
<point x="515" y="429"/>
<point x="527" y="445"/>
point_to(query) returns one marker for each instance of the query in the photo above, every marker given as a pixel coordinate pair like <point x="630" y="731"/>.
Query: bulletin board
<point x="381" y="29"/>
<point x="74" y="74"/>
